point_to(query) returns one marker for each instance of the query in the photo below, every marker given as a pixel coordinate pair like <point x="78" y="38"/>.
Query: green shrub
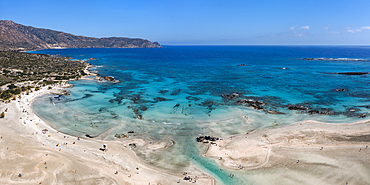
<point x="11" y="86"/>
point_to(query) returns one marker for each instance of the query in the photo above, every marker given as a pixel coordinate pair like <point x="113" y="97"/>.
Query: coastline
<point x="273" y="149"/>
<point x="39" y="155"/>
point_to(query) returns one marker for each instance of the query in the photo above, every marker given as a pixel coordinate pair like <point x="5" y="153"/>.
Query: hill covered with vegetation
<point x="24" y="71"/>
<point x="15" y="36"/>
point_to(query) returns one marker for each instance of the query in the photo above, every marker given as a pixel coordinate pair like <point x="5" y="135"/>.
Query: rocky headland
<point x="19" y="37"/>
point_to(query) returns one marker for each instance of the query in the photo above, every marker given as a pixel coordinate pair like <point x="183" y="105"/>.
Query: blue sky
<point x="202" y="22"/>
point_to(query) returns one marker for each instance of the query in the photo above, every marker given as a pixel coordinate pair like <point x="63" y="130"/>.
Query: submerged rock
<point x="353" y="112"/>
<point x="306" y="109"/>
<point x="208" y="103"/>
<point x="339" y="90"/>
<point x="143" y="108"/>
<point x="362" y="115"/>
<point x="297" y="107"/>
<point x="157" y="99"/>
<point x="321" y="112"/>
<point x="163" y="91"/>
<point x="192" y="98"/>
<point x="231" y="96"/>
<point x="251" y="103"/>
<point x="102" y="109"/>
<point x="136" y="98"/>
<point x="175" y="92"/>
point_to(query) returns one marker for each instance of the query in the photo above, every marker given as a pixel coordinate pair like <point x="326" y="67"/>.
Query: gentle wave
<point x="337" y="59"/>
<point x="168" y="123"/>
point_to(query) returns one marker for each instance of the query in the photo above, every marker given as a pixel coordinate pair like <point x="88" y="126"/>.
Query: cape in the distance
<point x="19" y="37"/>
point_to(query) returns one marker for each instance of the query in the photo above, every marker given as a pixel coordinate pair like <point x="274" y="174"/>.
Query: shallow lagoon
<point x="177" y="90"/>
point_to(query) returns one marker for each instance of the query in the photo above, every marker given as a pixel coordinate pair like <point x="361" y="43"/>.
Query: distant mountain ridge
<point x="15" y="36"/>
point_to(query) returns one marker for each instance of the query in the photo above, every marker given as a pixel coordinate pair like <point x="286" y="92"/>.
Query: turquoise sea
<point x="179" y="94"/>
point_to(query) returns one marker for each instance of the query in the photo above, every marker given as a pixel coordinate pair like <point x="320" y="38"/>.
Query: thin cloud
<point x="299" y="28"/>
<point x="305" y="27"/>
<point x="335" y="32"/>
<point x="298" y="35"/>
<point x="353" y="30"/>
<point x="295" y="32"/>
<point x="289" y="34"/>
<point x="326" y="27"/>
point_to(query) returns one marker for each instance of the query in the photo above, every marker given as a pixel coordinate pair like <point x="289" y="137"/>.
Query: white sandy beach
<point x="309" y="152"/>
<point x="30" y="156"/>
